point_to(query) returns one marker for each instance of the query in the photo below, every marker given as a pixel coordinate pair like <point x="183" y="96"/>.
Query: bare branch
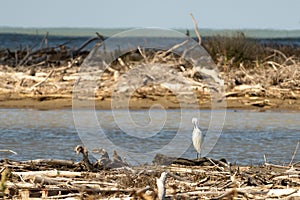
<point x="196" y="29"/>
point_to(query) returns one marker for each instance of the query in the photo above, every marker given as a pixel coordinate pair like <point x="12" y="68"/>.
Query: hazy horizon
<point x="83" y="31"/>
<point x="174" y="28"/>
<point x="213" y="14"/>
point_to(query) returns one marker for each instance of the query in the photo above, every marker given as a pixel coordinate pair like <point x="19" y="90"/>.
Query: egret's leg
<point x="197" y="155"/>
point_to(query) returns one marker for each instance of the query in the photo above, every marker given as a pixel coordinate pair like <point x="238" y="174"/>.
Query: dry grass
<point x="236" y="49"/>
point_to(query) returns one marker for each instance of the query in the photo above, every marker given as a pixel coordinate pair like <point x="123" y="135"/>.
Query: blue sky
<point x="215" y="14"/>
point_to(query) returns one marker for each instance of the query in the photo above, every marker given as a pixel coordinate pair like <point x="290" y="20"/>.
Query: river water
<point x="17" y="41"/>
<point x="245" y="138"/>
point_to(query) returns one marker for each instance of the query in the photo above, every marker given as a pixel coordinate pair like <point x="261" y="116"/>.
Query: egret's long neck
<point x="195" y="125"/>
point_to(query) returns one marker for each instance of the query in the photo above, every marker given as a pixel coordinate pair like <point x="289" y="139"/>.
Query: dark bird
<point x="85" y="159"/>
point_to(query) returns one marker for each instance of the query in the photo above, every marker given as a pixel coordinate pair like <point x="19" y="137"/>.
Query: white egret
<point x="197" y="137"/>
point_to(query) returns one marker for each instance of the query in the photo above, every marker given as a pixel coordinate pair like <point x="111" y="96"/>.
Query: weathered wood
<point x="161" y="159"/>
<point x="51" y="162"/>
<point x="44" y="181"/>
<point x="212" y="181"/>
<point x="49" y="173"/>
<point x="157" y="69"/>
<point x="8" y="151"/>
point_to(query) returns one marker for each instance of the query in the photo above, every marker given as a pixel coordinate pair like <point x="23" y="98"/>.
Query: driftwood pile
<point x="277" y="77"/>
<point x="36" y="75"/>
<point x="41" y="72"/>
<point x="45" y="55"/>
<point x="204" y="178"/>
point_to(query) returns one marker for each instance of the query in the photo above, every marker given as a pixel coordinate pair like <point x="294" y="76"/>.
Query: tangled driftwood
<point x="199" y="179"/>
<point x="276" y="77"/>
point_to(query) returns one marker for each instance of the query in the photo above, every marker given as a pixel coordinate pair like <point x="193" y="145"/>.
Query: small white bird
<point x="197" y="137"/>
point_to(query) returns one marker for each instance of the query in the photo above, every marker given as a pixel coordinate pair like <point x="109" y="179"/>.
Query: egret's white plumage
<point x="197" y="137"/>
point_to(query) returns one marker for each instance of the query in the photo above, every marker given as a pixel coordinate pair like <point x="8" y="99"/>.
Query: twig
<point x="274" y="65"/>
<point x="100" y="36"/>
<point x="142" y="193"/>
<point x="8" y="150"/>
<point x="143" y="54"/>
<point x="21" y="178"/>
<point x="242" y="68"/>
<point x="121" y="62"/>
<point x="45" y="40"/>
<point x="2" y="169"/>
<point x="265" y="158"/>
<point x="234" y="192"/>
<point x="143" y="189"/>
<point x="41" y="82"/>
<point x="220" y="168"/>
<point x="290" y="59"/>
<point x="196" y="29"/>
<point x="280" y="53"/>
<point x="175" y="47"/>
<point x="63" y="196"/>
<point x="76" y="52"/>
<point x="296" y="163"/>
<point x="295" y="152"/>
<point x="178" y="178"/>
<point x="230" y="194"/>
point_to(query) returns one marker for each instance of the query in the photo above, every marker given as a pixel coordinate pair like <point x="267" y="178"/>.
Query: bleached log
<point x="93" y="182"/>
<point x="22" y="75"/>
<point x="282" y="192"/>
<point x="44" y="180"/>
<point x="257" y="87"/>
<point x="277" y="166"/>
<point x="19" y="185"/>
<point x="286" y="177"/>
<point x="51" y="162"/>
<point x="49" y="173"/>
<point x="66" y="196"/>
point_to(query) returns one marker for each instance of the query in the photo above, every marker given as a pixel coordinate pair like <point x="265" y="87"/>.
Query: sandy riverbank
<point x="48" y="103"/>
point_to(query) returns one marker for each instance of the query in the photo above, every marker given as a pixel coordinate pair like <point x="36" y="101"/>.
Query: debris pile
<point x="204" y="178"/>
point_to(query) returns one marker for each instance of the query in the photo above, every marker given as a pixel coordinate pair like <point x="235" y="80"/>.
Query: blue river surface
<point x="241" y="137"/>
<point x="17" y="41"/>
